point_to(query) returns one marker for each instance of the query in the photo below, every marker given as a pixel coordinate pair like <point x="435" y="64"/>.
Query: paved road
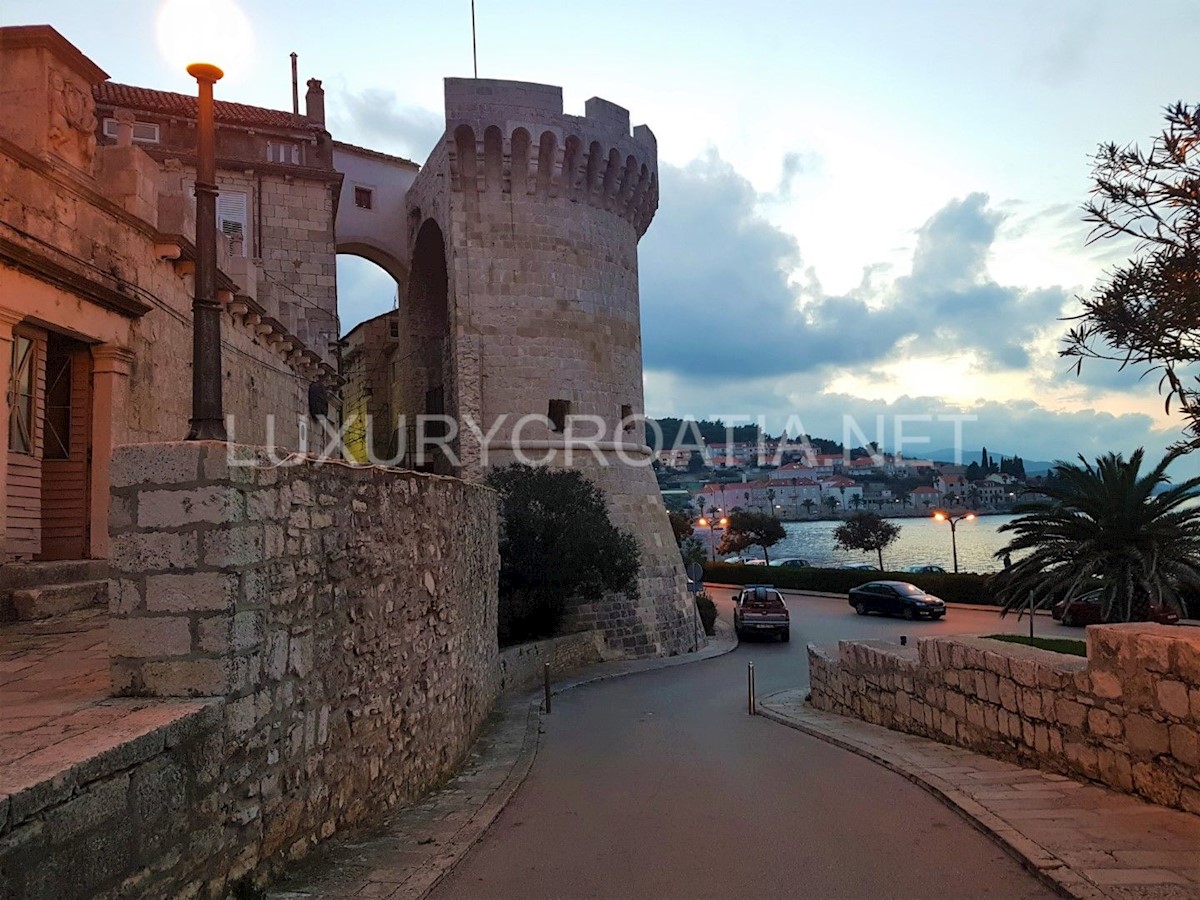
<point x="659" y="785"/>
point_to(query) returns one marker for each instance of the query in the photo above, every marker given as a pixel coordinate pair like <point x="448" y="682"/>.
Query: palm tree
<point x="771" y="499"/>
<point x="904" y="497"/>
<point x="1102" y="526"/>
<point x="832" y="503"/>
<point x="973" y="496"/>
<point x="808" y="505"/>
<point x="857" y="500"/>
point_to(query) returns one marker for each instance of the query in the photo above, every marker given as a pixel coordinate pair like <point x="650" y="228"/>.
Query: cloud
<point x="376" y="118"/>
<point x="724" y="293"/>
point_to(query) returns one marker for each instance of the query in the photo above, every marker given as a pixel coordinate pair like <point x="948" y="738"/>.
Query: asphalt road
<point x="659" y="785"/>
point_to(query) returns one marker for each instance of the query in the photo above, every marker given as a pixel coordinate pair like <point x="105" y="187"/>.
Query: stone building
<point x="521" y="314"/>
<point x="96" y="259"/>
<point x="370" y="368"/>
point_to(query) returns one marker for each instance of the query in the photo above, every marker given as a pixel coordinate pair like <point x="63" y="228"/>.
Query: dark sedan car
<point x="1088" y="609"/>
<point x="896" y="598"/>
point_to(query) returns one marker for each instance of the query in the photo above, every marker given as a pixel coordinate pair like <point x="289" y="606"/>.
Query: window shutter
<point x="231" y="215"/>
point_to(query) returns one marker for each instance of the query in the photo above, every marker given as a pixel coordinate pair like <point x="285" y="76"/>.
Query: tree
<point x="1103" y="526"/>
<point x="808" y="505"/>
<point x="866" y="531"/>
<point x="857" y="501"/>
<point x="905" y="497"/>
<point x="557" y="544"/>
<point x="751" y="529"/>
<point x="1145" y="314"/>
<point x="681" y="525"/>
<point x="771" y="499"/>
<point x="695" y="461"/>
<point x="973" y="496"/>
<point x="831" y="504"/>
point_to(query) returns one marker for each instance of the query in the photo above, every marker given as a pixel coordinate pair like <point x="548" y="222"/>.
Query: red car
<point x="1087" y="609"/>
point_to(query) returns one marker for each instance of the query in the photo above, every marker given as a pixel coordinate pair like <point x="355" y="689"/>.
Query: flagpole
<point x="474" y="49"/>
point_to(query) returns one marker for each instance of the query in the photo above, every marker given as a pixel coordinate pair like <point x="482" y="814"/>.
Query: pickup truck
<point x="759" y="609"/>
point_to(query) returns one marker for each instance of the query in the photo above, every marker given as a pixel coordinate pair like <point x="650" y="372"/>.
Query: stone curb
<point x="479" y="823"/>
<point x="1048" y="868"/>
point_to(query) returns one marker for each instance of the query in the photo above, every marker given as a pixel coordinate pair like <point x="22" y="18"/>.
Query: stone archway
<point x="427" y="369"/>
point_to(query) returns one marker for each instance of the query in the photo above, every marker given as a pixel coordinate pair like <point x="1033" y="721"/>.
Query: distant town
<point x="804" y="477"/>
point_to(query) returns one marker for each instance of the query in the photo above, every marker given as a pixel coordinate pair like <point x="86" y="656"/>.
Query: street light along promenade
<point x="943" y="516"/>
<point x="712" y="526"/>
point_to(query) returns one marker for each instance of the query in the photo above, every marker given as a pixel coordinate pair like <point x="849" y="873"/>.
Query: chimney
<point x="314" y="101"/>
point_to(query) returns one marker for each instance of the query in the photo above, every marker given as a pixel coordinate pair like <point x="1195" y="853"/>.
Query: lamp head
<point x="703" y="523"/>
<point x="205" y="72"/>
<point x="939" y="516"/>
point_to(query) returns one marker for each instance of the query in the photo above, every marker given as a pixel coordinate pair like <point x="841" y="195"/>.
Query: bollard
<point x="1031" y="616"/>
<point x="750" y="689"/>
<point x="904" y="640"/>
<point x="546" y="682"/>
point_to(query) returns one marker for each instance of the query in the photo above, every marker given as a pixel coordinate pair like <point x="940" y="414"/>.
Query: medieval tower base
<point x="522" y="317"/>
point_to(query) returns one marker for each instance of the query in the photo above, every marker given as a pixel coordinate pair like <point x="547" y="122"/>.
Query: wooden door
<point x="66" y="451"/>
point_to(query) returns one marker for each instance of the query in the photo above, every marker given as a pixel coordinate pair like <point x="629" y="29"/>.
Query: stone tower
<point x="522" y="302"/>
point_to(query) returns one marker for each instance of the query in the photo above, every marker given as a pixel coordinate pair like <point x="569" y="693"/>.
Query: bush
<point x="1070" y="646"/>
<point x="962" y="588"/>
<point x="708" y="612"/>
<point x="557" y="545"/>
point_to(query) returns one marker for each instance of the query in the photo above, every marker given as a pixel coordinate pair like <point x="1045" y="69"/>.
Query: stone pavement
<point x="408" y="854"/>
<point x="55" y="710"/>
<point x="1085" y="840"/>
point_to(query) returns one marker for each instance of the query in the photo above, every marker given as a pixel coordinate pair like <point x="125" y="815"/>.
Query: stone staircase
<point x="42" y="590"/>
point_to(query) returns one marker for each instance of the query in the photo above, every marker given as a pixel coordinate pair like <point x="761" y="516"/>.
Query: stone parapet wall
<point x="521" y="667"/>
<point x="1128" y="716"/>
<point x="345" y="615"/>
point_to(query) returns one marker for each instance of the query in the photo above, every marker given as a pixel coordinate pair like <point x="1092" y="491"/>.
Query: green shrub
<point x="1070" y="646"/>
<point x="557" y="544"/>
<point x="962" y="588"/>
<point x="708" y="612"/>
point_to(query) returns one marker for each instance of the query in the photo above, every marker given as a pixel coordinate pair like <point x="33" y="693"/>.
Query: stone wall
<point x="1128" y="716"/>
<point x="521" y="667"/>
<point x="346" y="616"/>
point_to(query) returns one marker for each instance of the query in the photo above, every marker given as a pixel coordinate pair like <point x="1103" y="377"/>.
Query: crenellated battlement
<point x="513" y="137"/>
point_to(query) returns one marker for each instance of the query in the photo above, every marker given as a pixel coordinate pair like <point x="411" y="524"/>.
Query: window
<point x="143" y="132"/>
<point x="627" y="416"/>
<point x="558" y="413"/>
<point x="231" y="215"/>
<point x="364" y="198"/>
<point x="283" y="152"/>
<point x="20" y="394"/>
<point x="394" y="328"/>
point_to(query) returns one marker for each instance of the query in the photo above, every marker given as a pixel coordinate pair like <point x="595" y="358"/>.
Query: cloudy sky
<point x="868" y="210"/>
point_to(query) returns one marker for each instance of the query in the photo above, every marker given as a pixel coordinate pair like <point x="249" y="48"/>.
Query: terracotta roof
<point x="924" y="490"/>
<point x="168" y="103"/>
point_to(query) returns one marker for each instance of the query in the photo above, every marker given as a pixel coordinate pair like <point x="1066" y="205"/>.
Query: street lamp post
<point x="208" y="418"/>
<point x="712" y="527"/>
<point x="953" y="520"/>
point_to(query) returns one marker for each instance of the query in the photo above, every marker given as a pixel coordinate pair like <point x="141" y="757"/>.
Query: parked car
<point x="734" y="559"/>
<point x="760" y="609"/>
<point x="1088" y="609"/>
<point x="755" y="562"/>
<point x="860" y="567"/>
<point x="926" y="570"/>
<point x="791" y="562"/>
<point x="896" y="598"/>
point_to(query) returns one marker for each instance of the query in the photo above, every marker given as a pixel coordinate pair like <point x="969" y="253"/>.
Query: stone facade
<point x="1128" y="716"/>
<point x="522" y="666"/>
<point x="522" y="307"/>
<point x="96" y="260"/>
<point x="343" y="617"/>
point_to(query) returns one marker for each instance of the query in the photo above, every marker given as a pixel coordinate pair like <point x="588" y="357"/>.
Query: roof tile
<point x="184" y="106"/>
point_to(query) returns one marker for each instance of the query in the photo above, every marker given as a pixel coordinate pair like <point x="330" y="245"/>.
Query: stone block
<point x="1185" y="745"/>
<point x="149" y="637"/>
<point x="138" y="465"/>
<point x="1106" y="685"/>
<point x="1172" y="699"/>
<point x="1156" y="783"/>
<point x="234" y="547"/>
<point x="1146" y="737"/>
<point x="1024" y="671"/>
<point x="1103" y="724"/>
<point x="195" y="592"/>
<point x="216" y="504"/>
<point x="138" y="553"/>
<point x="1070" y="713"/>
<point x="204" y="677"/>
<point x="100" y="803"/>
